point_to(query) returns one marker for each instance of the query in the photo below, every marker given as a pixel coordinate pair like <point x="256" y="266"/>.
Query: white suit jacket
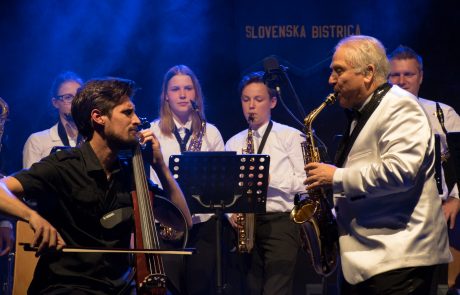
<point x="386" y="200"/>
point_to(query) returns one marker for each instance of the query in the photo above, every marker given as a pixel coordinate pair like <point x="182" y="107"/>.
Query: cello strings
<point x="150" y="236"/>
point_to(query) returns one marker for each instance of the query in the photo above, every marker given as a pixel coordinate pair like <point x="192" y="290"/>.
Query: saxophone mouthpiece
<point x="251" y="118"/>
<point x="331" y="98"/>
<point x="194" y="105"/>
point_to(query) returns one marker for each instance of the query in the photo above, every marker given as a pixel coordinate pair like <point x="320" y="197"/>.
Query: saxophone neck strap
<point x="440" y="116"/>
<point x="264" y="137"/>
<point x="62" y="133"/>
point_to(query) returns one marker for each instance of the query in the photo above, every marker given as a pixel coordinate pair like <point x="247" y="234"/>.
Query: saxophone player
<point x="181" y="127"/>
<point x="392" y="233"/>
<point x="277" y="243"/>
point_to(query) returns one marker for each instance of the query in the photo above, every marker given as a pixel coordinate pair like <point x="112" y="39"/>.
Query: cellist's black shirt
<point x="73" y="193"/>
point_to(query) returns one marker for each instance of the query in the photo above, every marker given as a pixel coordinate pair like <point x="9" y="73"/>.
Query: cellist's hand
<point x="169" y="184"/>
<point x="147" y="135"/>
<point x="46" y="236"/>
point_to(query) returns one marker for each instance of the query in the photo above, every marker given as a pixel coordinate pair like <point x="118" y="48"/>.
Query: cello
<point x="150" y="275"/>
<point x="149" y="270"/>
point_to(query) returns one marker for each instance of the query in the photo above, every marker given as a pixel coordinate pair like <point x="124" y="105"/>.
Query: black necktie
<point x="182" y="141"/>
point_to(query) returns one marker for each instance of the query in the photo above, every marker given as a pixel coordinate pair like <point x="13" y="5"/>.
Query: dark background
<point x="141" y="39"/>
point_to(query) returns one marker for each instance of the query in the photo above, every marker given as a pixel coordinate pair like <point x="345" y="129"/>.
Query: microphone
<point x="275" y="77"/>
<point x="274" y="72"/>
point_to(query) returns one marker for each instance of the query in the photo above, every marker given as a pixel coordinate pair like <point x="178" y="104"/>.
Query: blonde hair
<point x="166" y="117"/>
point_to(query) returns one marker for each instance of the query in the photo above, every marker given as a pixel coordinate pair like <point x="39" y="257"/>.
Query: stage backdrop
<point x="220" y="40"/>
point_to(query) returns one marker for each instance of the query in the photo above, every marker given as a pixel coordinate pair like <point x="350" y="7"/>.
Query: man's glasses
<point x="65" y="97"/>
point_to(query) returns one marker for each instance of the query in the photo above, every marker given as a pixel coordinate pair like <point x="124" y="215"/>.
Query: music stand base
<point x="219" y="284"/>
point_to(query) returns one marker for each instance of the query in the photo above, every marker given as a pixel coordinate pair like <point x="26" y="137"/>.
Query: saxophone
<point x="197" y="139"/>
<point x="313" y="213"/>
<point x="246" y="221"/>
<point x="3" y="116"/>
<point x="168" y="233"/>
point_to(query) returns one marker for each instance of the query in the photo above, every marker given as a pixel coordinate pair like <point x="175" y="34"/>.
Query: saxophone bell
<point x="304" y="208"/>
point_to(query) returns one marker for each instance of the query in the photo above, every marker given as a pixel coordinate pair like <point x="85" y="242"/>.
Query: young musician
<point x="181" y="127"/>
<point x="277" y="238"/>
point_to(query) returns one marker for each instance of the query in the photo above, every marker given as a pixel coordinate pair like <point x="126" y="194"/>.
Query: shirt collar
<point x="261" y="130"/>
<point x="179" y="126"/>
<point x="366" y="102"/>
<point x="91" y="160"/>
<point x="54" y="133"/>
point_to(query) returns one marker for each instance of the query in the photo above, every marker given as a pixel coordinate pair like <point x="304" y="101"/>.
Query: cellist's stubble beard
<point x="119" y="143"/>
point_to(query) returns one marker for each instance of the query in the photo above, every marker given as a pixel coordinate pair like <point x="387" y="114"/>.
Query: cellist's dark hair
<point x="102" y="94"/>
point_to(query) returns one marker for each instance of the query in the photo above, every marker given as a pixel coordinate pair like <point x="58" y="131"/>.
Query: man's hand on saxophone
<point x="319" y="175"/>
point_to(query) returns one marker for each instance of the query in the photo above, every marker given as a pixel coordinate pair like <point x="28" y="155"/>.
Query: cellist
<point x="84" y="195"/>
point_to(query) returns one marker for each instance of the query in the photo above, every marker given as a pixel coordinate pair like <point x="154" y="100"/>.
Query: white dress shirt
<point x="452" y="124"/>
<point x="287" y="173"/>
<point x="6" y="223"/>
<point x="39" y="145"/>
<point x="212" y="141"/>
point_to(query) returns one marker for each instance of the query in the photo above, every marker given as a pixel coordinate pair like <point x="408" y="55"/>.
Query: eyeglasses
<point x="65" y="97"/>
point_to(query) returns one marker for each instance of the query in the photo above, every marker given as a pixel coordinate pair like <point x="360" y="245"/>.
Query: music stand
<point x="222" y="182"/>
<point x="452" y="166"/>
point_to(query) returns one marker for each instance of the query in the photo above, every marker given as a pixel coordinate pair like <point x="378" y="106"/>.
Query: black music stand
<point x="222" y="182"/>
<point x="452" y="166"/>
